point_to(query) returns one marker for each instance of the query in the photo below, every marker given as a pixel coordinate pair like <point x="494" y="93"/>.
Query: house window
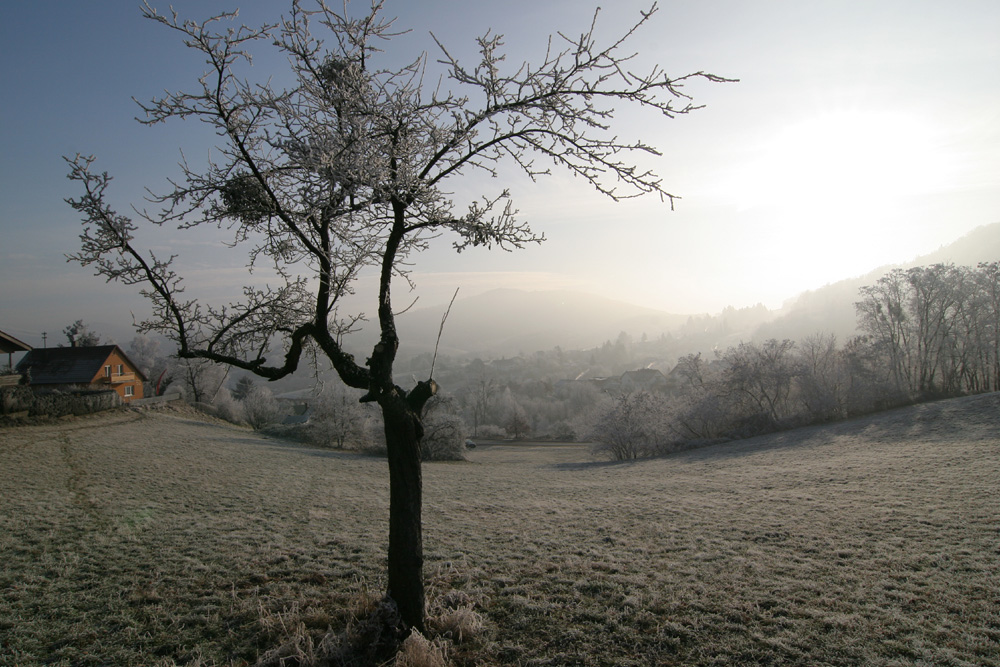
<point x="121" y="369"/>
<point x="107" y="371"/>
<point x="129" y="391"/>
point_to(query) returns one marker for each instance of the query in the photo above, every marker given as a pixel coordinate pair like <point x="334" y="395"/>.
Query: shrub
<point x="563" y="430"/>
<point x="224" y="407"/>
<point x="260" y="408"/>
<point x="338" y="420"/>
<point x="632" y="426"/>
<point x="444" y="431"/>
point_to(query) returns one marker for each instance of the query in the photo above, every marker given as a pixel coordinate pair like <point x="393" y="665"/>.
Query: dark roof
<point x="9" y="344"/>
<point x="69" y="365"/>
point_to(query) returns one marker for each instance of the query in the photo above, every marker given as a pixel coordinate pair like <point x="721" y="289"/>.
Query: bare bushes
<point x="444" y="431"/>
<point x="16" y="399"/>
<point x="633" y="427"/>
<point x="260" y="408"/>
<point x="226" y="407"/>
<point x="338" y="420"/>
<point x="751" y="389"/>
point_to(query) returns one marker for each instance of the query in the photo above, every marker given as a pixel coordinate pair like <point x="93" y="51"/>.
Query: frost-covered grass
<point x="159" y="539"/>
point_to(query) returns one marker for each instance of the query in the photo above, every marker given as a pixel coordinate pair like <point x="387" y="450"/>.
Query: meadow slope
<point x="163" y="538"/>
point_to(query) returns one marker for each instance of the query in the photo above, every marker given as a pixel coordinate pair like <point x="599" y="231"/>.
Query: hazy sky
<point x="860" y="134"/>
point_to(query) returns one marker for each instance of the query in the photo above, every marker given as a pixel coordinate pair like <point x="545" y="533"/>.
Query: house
<point x="300" y="413"/>
<point x="99" y="367"/>
<point x="9" y="345"/>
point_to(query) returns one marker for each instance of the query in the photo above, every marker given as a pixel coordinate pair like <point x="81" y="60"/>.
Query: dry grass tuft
<point x="372" y="636"/>
<point x="453" y="616"/>
<point x="418" y="651"/>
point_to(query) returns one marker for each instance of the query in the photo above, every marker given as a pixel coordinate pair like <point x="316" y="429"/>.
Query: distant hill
<point x="830" y="309"/>
<point x="506" y="322"/>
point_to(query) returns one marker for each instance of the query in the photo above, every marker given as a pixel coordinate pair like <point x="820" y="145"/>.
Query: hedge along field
<point x="157" y="538"/>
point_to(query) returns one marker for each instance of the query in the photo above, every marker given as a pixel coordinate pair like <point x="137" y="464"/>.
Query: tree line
<point x="925" y="333"/>
<point x="936" y="328"/>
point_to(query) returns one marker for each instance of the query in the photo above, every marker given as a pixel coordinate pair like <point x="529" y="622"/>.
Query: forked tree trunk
<point x="406" y="554"/>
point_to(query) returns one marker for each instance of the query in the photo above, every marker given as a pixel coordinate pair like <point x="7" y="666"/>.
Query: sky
<point x="860" y="134"/>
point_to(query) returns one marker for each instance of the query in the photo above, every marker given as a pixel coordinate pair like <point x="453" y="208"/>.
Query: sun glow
<point x="862" y="160"/>
<point x="832" y="192"/>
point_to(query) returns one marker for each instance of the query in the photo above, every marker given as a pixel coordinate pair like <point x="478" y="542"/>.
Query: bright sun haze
<point x="860" y="134"/>
<point x="835" y="190"/>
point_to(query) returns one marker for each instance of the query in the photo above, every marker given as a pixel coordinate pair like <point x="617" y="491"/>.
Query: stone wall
<point x="55" y="402"/>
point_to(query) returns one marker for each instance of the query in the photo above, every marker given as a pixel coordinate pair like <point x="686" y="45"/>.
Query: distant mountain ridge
<point x="830" y="309"/>
<point x="508" y="322"/>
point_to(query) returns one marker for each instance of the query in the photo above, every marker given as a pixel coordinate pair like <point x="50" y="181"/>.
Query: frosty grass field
<point x="164" y="538"/>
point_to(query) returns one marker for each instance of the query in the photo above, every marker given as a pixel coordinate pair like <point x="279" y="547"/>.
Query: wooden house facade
<point x="99" y="367"/>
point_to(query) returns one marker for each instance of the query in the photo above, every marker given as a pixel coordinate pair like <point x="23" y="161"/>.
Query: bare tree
<point x="350" y="167"/>
<point x="758" y="376"/>
<point x="481" y="397"/>
<point x="79" y="334"/>
<point x="933" y="298"/>
<point x="924" y="318"/>
<point x="144" y="352"/>
<point x="882" y="315"/>
<point x="988" y="328"/>
<point x="515" y="420"/>
<point x="243" y="387"/>
<point x="691" y="367"/>
<point x="200" y="379"/>
<point x="822" y="380"/>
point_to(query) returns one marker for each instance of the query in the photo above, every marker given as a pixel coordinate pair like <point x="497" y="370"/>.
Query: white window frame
<point x="107" y="371"/>
<point x="129" y="391"/>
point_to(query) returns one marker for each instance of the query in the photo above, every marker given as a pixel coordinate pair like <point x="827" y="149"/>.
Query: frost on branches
<point x="349" y="168"/>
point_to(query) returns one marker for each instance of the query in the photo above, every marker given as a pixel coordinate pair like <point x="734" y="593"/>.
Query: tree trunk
<point x="406" y="555"/>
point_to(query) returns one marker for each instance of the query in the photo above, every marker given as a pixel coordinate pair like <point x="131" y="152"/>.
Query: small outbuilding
<point x="99" y="367"/>
<point x="9" y="345"/>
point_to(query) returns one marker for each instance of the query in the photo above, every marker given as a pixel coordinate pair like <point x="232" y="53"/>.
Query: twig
<point x="441" y="331"/>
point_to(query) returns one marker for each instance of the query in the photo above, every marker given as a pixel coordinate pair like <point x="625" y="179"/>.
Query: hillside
<point x="830" y="309"/>
<point x="154" y="537"/>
